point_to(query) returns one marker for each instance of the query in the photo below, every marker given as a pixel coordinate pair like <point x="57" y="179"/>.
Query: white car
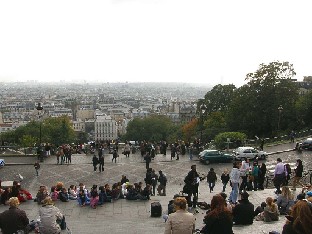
<point x="2" y="163"/>
<point x="249" y="152"/>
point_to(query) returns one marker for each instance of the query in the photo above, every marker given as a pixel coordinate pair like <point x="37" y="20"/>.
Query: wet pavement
<point x="131" y="216"/>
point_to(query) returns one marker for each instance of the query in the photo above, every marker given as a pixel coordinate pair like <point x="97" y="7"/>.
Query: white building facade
<point x="105" y="128"/>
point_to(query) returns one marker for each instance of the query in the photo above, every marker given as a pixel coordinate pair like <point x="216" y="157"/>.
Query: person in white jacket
<point x="234" y="178"/>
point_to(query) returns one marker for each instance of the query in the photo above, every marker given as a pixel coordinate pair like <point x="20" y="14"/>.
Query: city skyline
<point x="133" y="41"/>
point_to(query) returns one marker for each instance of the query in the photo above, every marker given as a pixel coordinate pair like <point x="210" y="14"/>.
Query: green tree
<point x="214" y="124"/>
<point x="236" y="138"/>
<point x="219" y="98"/>
<point x="152" y="128"/>
<point x="254" y="107"/>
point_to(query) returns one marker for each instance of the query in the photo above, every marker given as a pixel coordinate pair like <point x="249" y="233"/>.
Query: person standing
<point x="37" y="167"/>
<point x="13" y="219"/>
<point x="298" y="174"/>
<point x="234" y="177"/>
<point x="255" y="176"/>
<point x="225" y="177"/>
<point x="181" y="221"/>
<point x="211" y="179"/>
<point x="279" y="175"/>
<point x="244" y="171"/>
<point x="101" y="163"/>
<point x="154" y="181"/>
<point x="115" y="155"/>
<point x="262" y="173"/>
<point x="191" y="184"/>
<point x="148" y="160"/>
<point x="162" y="179"/>
<point x="95" y="162"/>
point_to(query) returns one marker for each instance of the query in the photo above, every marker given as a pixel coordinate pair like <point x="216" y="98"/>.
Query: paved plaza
<point x="123" y="216"/>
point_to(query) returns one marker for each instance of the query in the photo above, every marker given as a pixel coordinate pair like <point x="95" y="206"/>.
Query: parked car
<point x="307" y="144"/>
<point x="249" y="152"/>
<point x="210" y="156"/>
<point x="2" y="162"/>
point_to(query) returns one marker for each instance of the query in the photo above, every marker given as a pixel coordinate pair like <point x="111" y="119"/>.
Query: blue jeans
<point x="234" y="193"/>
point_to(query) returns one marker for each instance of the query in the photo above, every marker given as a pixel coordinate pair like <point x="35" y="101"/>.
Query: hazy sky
<point x="198" y="41"/>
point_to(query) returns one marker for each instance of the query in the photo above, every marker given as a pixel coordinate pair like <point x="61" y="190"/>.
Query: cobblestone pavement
<point x="123" y="216"/>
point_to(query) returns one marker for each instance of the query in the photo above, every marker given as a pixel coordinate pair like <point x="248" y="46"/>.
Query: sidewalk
<point x="123" y="216"/>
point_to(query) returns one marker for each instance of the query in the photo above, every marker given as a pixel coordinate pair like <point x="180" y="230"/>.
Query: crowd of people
<point x="244" y="177"/>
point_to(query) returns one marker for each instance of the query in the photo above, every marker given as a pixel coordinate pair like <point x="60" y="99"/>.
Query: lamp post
<point x="40" y="150"/>
<point x="202" y="112"/>
<point x="280" y="109"/>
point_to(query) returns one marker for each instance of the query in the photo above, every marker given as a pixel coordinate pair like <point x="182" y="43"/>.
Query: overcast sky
<point x="196" y="41"/>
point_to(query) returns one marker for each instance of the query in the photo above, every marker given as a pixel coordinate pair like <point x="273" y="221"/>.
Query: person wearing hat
<point x="309" y="196"/>
<point x="243" y="213"/>
<point x="13" y="219"/>
<point x="50" y="217"/>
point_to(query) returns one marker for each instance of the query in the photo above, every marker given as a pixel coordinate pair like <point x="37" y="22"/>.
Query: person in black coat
<point x="243" y="213"/>
<point x="191" y="186"/>
<point x="13" y="219"/>
<point x="95" y="162"/>
<point x="219" y="219"/>
<point x="101" y="161"/>
<point x="298" y="174"/>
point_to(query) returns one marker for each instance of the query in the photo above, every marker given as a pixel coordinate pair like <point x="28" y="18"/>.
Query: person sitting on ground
<point x="227" y="203"/>
<point x="42" y="194"/>
<point x="116" y="191"/>
<point x="131" y="193"/>
<point x="300" y="220"/>
<point x="145" y="193"/>
<point x="270" y="212"/>
<point x="82" y="198"/>
<point x="50" y="217"/>
<point x="259" y="209"/>
<point x="72" y="192"/>
<point x="54" y="193"/>
<point x="94" y="197"/>
<point x="13" y="219"/>
<point x="59" y="186"/>
<point x="219" y="219"/>
<point x="103" y="196"/>
<point x="180" y="221"/>
<point x="5" y="196"/>
<point x="285" y="200"/>
<point x="243" y="212"/>
<point x="124" y="179"/>
<point x="63" y="195"/>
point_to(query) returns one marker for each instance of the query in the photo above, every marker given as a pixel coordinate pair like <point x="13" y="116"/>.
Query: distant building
<point x="85" y="114"/>
<point x="61" y="112"/>
<point x="79" y="126"/>
<point x="105" y="128"/>
<point x="5" y="127"/>
<point x="187" y="113"/>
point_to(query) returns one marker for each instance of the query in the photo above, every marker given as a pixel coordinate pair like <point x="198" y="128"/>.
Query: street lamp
<point x="40" y="150"/>
<point x="202" y="112"/>
<point x="280" y="109"/>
